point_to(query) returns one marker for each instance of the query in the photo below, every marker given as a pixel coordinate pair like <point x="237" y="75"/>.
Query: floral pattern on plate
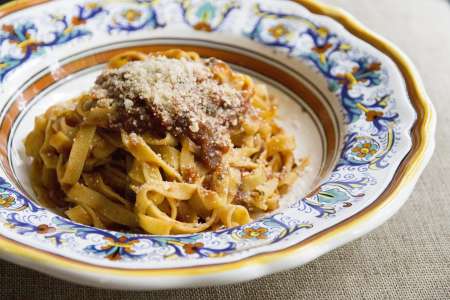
<point x="358" y="80"/>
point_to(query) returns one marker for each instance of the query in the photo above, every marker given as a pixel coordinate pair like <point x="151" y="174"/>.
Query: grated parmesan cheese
<point x="176" y="95"/>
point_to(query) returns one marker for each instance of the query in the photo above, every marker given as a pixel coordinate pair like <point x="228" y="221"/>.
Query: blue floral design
<point x="23" y="35"/>
<point x="132" y="19"/>
<point x="370" y="140"/>
<point x="325" y="45"/>
<point x="206" y="15"/>
<point x="12" y="196"/>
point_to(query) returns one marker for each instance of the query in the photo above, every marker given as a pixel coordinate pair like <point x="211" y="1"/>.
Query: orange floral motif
<point x="364" y="150"/>
<point x="120" y="242"/>
<point x="25" y="43"/>
<point x="371" y="115"/>
<point x="24" y="35"/>
<point x="203" y="26"/>
<point x="259" y="233"/>
<point x="278" y="31"/>
<point x="192" y="248"/>
<point x="44" y="228"/>
<point x="322" y="49"/>
<point x="117" y="247"/>
<point x="114" y="256"/>
<point x="77" y="21"/>
<point x="8" y="28"/>
<point x="131" y="15"/>
<point x="7" y="202"/>
<point x="376" y="66"/>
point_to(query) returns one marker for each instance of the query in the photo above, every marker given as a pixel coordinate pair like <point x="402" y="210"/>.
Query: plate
<point x="354" y="102"/>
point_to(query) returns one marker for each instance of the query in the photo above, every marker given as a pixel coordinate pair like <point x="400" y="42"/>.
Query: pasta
<point x="129" y="155"/>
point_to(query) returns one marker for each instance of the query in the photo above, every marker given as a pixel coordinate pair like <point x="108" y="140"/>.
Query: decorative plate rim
<point x="264" y="263"/>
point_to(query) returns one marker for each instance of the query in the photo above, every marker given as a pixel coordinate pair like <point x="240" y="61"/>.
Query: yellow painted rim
<point x="406" y="174"/>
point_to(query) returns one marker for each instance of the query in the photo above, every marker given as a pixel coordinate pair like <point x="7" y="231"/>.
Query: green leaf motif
<point x="332" y="196"/>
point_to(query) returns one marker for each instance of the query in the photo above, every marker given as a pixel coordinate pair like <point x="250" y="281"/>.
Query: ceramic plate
<point x="353" y="101"/>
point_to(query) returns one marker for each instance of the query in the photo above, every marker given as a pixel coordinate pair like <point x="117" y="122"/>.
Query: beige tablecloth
<point x="407" y="258"/>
